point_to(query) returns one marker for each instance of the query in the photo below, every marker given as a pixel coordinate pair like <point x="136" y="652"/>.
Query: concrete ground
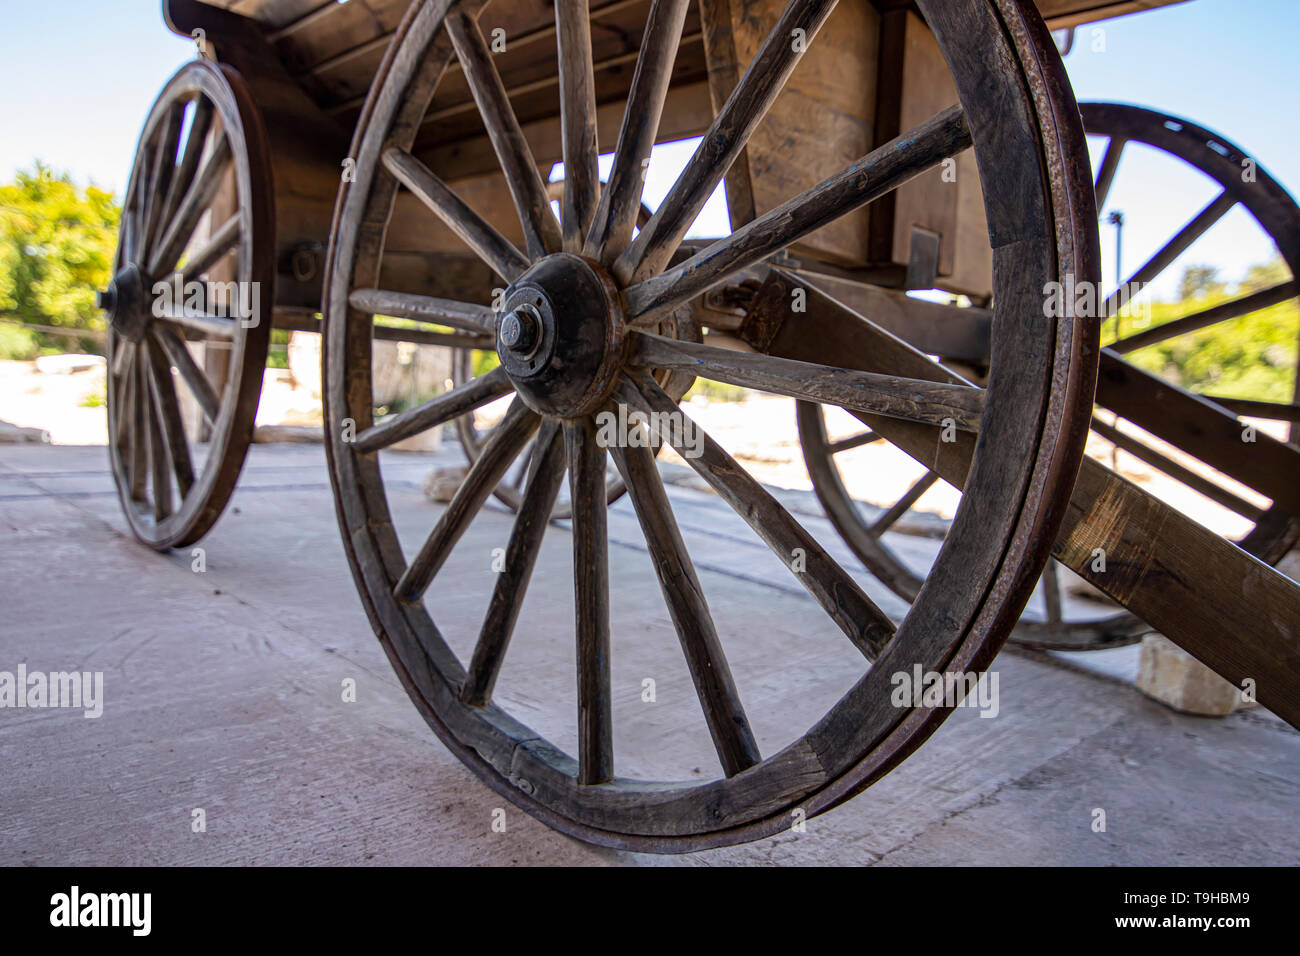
<point x="222" y="693"/>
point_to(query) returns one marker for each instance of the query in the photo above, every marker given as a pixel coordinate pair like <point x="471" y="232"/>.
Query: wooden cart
<point x="379" y="159"/>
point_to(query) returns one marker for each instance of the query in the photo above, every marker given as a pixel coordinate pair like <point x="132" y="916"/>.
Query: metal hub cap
<point x="560" y="335"/>
<point x="127" y="302"/>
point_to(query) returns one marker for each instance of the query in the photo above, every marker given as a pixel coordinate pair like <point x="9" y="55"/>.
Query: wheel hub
<point x="128" y="303"/>
<point x="560" y="335"/>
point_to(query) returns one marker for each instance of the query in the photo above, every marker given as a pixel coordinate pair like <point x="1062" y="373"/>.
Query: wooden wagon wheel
<point x="194" y="264"/>
<point x="1276" y="528"/>
<point x="473" y="438"/>
<point x="1043" y="226"/>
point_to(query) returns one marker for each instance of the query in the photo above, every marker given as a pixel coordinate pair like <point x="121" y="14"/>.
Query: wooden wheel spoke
<point x="1249" y="408"/>
<point x="199" y="385"/>
<point x="424" y="308"/>
<point x="904" y="504"/>
<point x="168" y="412"/>
<point x="1162" y="462"/>
<point x="164" y="256"/>
<point x="1106" y="172"/>
<point x="1052" y="592"/>
<point x="906" y="398"/>
<point x="578" y="120"/>
<point x="728" y="725"/>
<point x="541" y="231"/>
<point x="508" y="439"/>
<point x="196" y="140"/>
<point x="854" y="441"/>
<point x="472" y="229"/>
<point x="620" y="203"/>
<point x="213" y="326"/>
<point x="1200" y="428"/>
<point x="591" y="601"/>
<point x="1175" y="247"/>
<point x="1223" y="312"/>
<point x="876" y="174"/>
<point x="158" y="457"/>
<point x="124" y="390"/>
<point x="139" y="440"/>
<point x="164" y="170"/>
<point x="543" y="487"/>
<point x="222" y="242"/>
<point x="865" y="624"/>
<point x="726" y="137"/>
<point x="459" y="401"/>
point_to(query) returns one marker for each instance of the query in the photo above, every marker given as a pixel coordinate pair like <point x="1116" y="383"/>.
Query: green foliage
<point x="17" y="343"/>
<point x="717" y="391"/>
<point x="57" y="242"/>
<point x="1252" y="357"/>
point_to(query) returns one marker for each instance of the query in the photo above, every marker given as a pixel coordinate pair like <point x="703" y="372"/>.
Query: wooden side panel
<point x="915" y="84"/>
<point x="821" y="122"/>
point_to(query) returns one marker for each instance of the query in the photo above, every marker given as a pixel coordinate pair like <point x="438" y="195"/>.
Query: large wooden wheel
<point x="1138" y="397"/>
<point x="572" y="344"/>
<point x="197" y="217"/>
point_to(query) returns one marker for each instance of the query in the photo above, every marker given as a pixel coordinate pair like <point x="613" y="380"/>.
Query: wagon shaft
<point x="1228" y="609"/>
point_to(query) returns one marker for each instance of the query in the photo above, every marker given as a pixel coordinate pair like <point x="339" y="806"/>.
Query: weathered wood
<point x="298" y="322"/>
<point x="578" y="119"/>
<point x="729" y="727"/>
<point x="197" y="199"/>
<point x="459" y="401"/>
<point x="616" y="217"/>
<point x="1224" y="312"/>
<point x="208" y="401"/>
<point x="221" y="178"/>
<point x="868" y="627"/>
<point x="891" y="395"/>
<point x="507" y="441"/>
<point x="1156" y="459"/>
<point x="1238" y="621"/>
<point x="1037" y="221"/>
<point x="546" y="474"/>
<point x="1201" y="428"/>
<point x="591" y="601"/>
<point x="160" y="473"/>
<point x="1199" y="225"/>
<point x="422" y="308"/>
<point x="726" y="137"/>
<point x="541" y="231"/>
<point x="823" y="120"/>
<point x="168" y="414"/>
<point x="874" y="175"/>
<point x="474" y="231"/>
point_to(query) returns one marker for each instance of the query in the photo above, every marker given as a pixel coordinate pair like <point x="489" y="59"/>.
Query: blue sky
<point x="77" y="77"/>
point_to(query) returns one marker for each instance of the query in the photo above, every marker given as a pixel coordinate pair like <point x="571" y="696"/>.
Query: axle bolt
<point x="521" y="330"/>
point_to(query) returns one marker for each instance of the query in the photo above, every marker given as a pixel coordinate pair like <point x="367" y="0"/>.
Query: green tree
<point x="1199" y="281"/>
<point x="57" y="242"/>
<point x="1253" y="356"/>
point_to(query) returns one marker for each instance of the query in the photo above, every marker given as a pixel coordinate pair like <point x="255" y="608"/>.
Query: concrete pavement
<point x="222" y="694"/>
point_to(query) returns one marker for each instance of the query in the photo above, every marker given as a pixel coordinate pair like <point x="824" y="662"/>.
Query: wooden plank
<point x="1232" y="612"/>
<point x="822" y="121"/>
<point x="1068" y="13"/>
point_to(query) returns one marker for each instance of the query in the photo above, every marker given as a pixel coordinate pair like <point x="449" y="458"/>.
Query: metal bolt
<point x="521" y="330"/>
